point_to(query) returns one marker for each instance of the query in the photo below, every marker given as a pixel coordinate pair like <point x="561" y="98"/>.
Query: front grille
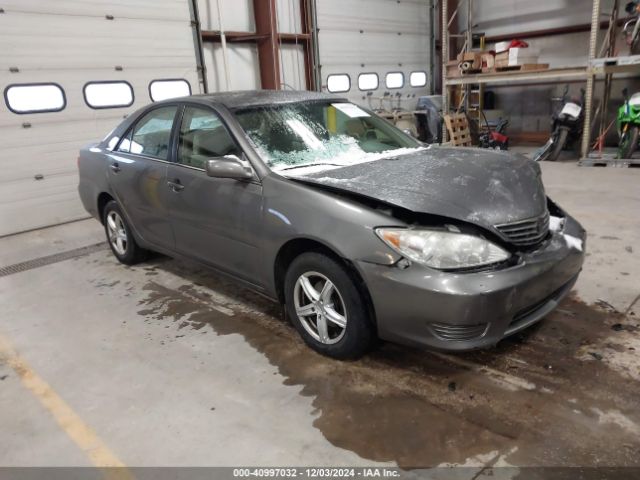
<point x="458" y="332"/>
<point x="526" y="232"/>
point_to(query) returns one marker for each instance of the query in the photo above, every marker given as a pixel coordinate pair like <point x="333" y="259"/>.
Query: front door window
<point x="203" y="136"/>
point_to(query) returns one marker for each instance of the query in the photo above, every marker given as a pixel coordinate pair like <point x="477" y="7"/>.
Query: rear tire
<point x="327" y="308"/>
<point x="558" y="144"/>
<point x="119" y="236"/>
<point x="629" y="142"/>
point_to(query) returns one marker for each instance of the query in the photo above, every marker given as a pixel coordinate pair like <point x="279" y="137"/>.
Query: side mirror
<point x="228" y="166"/>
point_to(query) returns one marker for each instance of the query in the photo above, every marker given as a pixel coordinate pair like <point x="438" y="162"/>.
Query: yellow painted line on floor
<point x="83" y="435"/>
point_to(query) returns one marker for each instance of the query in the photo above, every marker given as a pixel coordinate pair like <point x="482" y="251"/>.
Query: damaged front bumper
<point x="463" y="311"/>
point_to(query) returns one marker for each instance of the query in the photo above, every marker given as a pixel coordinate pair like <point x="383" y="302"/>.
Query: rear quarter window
<point x="151" y="134"/>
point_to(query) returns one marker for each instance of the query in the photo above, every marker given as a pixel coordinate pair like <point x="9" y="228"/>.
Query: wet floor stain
<point x="540" y="397"/>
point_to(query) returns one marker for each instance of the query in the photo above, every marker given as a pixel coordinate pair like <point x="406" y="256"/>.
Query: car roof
<point x="254" y="98"/>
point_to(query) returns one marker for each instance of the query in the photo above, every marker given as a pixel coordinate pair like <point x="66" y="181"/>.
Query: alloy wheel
<point x="320" y="307"/>
<point x="117" y="233"/>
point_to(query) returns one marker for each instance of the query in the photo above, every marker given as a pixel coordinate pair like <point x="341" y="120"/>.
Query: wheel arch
<point x="103" y="199"/>
<point x="293" y="248"/>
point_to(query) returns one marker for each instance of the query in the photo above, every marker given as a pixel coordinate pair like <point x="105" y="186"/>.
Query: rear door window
<point x="151" y="135"/>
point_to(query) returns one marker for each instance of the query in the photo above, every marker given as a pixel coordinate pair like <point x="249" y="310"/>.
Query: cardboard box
<point x="471" y="61"/>
<point x="488" y="62"/>
<point x="515" y="57"/>
<point x="501" y="60"/>
<point x="502" y="46"/>
<point x="468" y="56"/>
<point x="520" y="56"/>
<point x="453" y="71"/>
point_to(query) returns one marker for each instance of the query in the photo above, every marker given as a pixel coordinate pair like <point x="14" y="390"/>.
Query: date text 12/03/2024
<point x="317" y="472"/>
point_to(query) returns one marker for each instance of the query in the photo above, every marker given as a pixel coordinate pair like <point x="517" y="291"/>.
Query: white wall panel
<point x="35" y="42"/>
<point x="289" y="16"/>
<point x="244" y="73"/>
<point x="515" y="16"/>
<point x="375" y="36"/>
<point x="237" y="15"/>
<point x="71" y="42"/>
<point x="292" y="74"/>
<point x="142" y="9"/>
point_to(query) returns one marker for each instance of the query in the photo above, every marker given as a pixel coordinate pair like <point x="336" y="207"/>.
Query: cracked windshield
<point x="321" y="134"/>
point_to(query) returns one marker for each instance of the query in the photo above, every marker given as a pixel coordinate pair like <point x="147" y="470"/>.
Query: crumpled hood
<point x="483" y="187"/>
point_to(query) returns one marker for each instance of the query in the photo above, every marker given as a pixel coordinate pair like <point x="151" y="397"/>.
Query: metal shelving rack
<point x="595" y="67"/>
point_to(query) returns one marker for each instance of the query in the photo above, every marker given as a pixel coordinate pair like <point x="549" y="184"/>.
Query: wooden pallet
<point x="527" y="67"/>
<point x="608" y="160"/>
<point x="458" y="128"/>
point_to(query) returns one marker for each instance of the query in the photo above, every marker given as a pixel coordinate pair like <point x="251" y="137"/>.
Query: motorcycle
<point x="628" y="123"/>
<point x="496" y="138"/>
<point x="566" y="128"/>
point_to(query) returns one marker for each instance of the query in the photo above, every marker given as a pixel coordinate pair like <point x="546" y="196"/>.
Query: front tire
<point x="629" y="142"/>
<point x="120" y="237"/>
<point x="327" y="308"/>
<point x="558" y="144"/>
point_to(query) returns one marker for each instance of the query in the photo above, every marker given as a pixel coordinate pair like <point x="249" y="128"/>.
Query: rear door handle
<point x="175" y="185"/>
<point x="115" y="167"/>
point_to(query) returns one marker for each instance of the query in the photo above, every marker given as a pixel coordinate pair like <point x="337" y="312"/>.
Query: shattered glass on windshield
<point x="309" y="134"/>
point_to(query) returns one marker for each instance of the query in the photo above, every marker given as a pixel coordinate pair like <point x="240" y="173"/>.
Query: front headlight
<point x="442" y="249"/>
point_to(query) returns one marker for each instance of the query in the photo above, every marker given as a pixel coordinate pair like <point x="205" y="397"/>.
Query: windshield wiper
<point x="312" y="165"/>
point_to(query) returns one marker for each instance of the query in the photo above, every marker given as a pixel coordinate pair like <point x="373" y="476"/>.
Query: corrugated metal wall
<point x="70" y="43"/>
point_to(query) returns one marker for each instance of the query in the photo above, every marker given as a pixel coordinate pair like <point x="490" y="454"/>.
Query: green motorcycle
<point x="628" y="123"/>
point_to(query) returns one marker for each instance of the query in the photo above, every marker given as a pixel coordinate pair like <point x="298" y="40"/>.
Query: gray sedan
<point x="358" y="229"/>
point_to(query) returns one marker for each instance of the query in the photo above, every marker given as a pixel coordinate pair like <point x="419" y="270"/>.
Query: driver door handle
<point x="175" y="185"/>
<point x="115" y="167"/>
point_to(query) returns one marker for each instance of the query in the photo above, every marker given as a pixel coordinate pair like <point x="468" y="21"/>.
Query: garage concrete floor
<point x="168" y="364"/>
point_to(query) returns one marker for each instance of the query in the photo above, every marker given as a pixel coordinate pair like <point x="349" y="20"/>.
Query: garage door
<point x="70" y="71"/>
<point x="369" y="48"/>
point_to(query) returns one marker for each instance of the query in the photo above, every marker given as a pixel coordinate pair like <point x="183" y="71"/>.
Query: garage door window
<point x="35" y="98"/>
<point x="418" y="79"/>
<point x="164" y="89"/>
<point x="338" y="83"/>
<point x="394" y="80"/>
<point x="151" y="134"/>
<point x="368" y="81"/>
<point x="108" y="94"/>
